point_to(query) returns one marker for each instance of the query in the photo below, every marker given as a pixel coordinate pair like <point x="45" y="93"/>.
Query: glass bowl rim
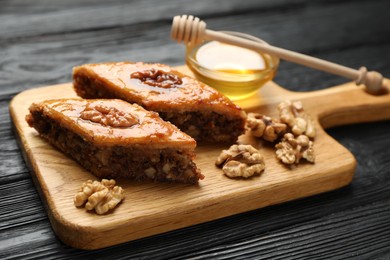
<point x="198" y="67"/>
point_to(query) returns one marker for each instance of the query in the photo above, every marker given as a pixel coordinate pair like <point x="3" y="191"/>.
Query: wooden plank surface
<point x="349" y="223"/>
<point x="153" y="208"/>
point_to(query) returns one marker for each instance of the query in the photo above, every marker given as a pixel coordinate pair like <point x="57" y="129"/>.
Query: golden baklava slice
<point x="112" y="138"/>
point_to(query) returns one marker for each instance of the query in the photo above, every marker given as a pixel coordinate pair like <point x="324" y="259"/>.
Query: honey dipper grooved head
<point x="188" y="29"/>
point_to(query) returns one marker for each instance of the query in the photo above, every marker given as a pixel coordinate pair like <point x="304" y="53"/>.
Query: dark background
<point x="41" y="40"/>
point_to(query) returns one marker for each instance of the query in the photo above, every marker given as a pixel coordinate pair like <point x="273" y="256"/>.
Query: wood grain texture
<point x="353" y="33"/>
<point x="152" y="208"/>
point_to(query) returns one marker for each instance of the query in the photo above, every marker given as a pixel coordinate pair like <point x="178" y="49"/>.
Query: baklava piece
<point x="112" y="138"/>
<point x="195" y="108"/>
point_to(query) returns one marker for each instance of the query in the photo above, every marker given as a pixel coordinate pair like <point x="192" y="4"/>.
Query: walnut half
<point x="265" y="127"/>
<point x="241" y="161"/>
<point x="157" y="78"/>
<point x="293" y="114"/>
<point x="291" y="149"/>
<point x="108" y="116"/>
<point x="99" y="196"/>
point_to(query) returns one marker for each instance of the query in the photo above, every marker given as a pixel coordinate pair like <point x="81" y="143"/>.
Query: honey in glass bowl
<point x="234" y="71"/>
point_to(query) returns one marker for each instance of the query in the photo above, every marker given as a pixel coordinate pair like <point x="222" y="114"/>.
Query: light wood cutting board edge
<point x="182" y="206"/>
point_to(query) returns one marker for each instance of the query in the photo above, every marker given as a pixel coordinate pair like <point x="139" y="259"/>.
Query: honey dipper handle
<point x="191" y="30"/>
<point x="372" y="80"/>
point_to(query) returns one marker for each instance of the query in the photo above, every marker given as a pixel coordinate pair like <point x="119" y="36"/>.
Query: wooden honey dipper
<point x="191" y="30"/>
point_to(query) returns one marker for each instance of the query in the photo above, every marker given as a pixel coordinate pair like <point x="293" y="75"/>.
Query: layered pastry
<point x="112" y="138"/>
<point x="197" y="109"/>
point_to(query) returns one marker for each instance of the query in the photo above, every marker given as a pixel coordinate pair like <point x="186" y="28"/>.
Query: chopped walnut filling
<point x="293" y="114"/>
<point x="157" y="78"/>
<point x="241" y="161"/>
<point x="291" y="149"/>
<point x="99" y="196"/>
<point x="265" y="127"/>
<point x="108" y="116"/>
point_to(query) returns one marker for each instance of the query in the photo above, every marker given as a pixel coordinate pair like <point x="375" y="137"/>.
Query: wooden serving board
<point x="153" y="208"/>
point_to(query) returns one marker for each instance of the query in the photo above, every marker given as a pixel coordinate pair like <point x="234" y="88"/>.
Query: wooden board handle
<point x="346" y="104"/>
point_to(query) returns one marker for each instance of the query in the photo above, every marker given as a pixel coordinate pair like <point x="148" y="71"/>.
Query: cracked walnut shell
<point x="99" y="196"/>
<point x="241" y="161"/>
<point x="265" y="127"/>
<point x="293" y="114"/>
<point x="292" y="149"/>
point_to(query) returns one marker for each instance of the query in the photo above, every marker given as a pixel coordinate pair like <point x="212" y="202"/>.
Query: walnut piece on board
<point x="292" y="149"/>
<point x="293" y="114"/>
<point x="99" y="196"/>
<point x="241" y="161"/>
<point x="263" y="126"/>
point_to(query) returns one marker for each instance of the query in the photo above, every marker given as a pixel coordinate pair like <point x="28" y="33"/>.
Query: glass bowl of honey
<point x="234" y="71"/>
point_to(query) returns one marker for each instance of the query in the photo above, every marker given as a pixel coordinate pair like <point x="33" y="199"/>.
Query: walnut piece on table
<point x="292" y="149"/>
<point x="265" y="127"/>
<point x="99" y="196"/>
<point x="241" y="161"/>
<point x="293" y="114"/>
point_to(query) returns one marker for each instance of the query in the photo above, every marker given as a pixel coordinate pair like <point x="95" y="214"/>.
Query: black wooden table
<point x="41" y="40"/>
